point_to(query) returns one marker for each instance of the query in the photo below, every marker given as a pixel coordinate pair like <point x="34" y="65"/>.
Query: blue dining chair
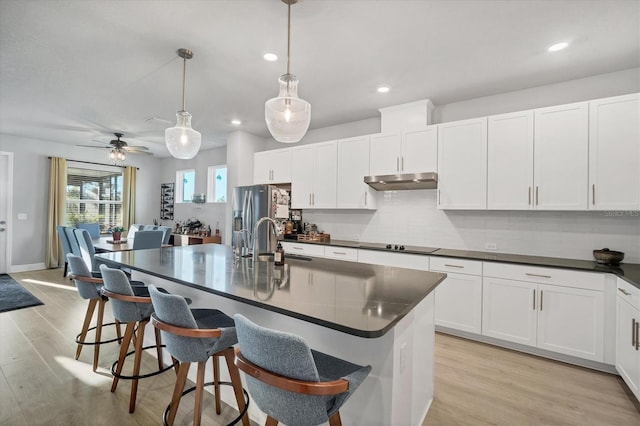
<point x="66" y="246"/>
<point x="87" y="251"/>
<point x="289" y="381"/>
<point x="147" y="240"/>
<point x="167" y="233"/>
<point x="131" y="233"/>
<point x="93" y="228"/>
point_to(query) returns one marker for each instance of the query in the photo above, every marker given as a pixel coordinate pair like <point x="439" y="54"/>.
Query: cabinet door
<point x="509" y="310"/>
<point x="510" y="161"/>
<point x="462" y="165"/>
<point x="458" y="303"/>
<point x="281" y="166"/>
<point x="627" y="357"/>
<point x="571" y="321"/>
<point x="325" y="169"/>
<point x="384" y="155"/>
<point x="262" y="167"/>
<point x="419" y="150"/>
<point x="614" y="153"/>
<point x="561" y="157"/>
<point x="353" y="166"/>
<point x="302" y="160"/>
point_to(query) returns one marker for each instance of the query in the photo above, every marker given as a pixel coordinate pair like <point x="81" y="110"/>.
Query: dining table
<point x="106" y="244"/>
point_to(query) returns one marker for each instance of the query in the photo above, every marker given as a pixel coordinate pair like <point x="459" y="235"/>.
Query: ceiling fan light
<point x="182" y="141"/>
<point x="287" y="116"/>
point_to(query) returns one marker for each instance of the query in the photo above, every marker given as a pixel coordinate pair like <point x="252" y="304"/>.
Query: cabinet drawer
<point x="304" y="249"/>
<point x="341" y="253"/>
<point x="458" y="266"/>
<point x="628" y="292"/>
<point x="398" y="260"/>
<point x="562" y="277"/>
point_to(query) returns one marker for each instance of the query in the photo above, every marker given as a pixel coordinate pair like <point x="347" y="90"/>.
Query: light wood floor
<point x="475" y="384"/>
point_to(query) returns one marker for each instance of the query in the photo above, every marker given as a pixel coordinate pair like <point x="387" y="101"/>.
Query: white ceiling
<point x="76" y="71"/>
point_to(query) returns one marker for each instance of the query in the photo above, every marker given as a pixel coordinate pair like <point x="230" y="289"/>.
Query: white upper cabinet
<point x="614" y="153"/>
<point x="561" y="157"/>
<point x="413" y="150"/>
<point x="313" y="175"/>
<point x="272" y="166"/>
<point x="510" y="161"/>
<point x="462" y="164"/>
<point x="353" y="166"/>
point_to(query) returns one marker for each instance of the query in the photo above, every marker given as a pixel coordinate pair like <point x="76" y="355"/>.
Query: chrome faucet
<point x="256" y="243"/>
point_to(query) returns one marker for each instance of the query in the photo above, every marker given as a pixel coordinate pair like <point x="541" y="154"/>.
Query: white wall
<point x="31" y="191"/>
<point x="212" y="214"/>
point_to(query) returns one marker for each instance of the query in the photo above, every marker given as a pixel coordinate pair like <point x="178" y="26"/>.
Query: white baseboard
<point x="25" y="268"/>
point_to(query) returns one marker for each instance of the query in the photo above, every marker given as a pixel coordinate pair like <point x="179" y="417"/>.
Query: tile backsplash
<point x="412" y="218"/>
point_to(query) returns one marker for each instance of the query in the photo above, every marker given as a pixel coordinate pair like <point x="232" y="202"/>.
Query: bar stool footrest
<point x="93" y="342"/>
<point x="233" y="422"/>
<point x="141" y="376"/>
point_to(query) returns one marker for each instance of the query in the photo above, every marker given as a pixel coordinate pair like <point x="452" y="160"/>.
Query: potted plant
<point x="116" y="232"/>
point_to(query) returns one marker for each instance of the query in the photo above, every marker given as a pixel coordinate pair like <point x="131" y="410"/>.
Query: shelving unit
<point x="166" y="201"/>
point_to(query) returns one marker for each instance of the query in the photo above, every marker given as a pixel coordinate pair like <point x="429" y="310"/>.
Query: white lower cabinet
<point x="303" y="249"/>
<point x="458" y="299"/>
<point x="628" y="336"/>
<point x="557" y="316"/>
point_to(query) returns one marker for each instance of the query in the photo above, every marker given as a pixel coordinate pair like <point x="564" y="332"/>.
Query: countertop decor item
<point x="287" y="115"/>
<point x="182" y="140"/>
<point x="608" y="257"/>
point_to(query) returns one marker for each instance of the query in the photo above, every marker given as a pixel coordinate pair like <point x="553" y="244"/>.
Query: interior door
<point x="6" y="184"/>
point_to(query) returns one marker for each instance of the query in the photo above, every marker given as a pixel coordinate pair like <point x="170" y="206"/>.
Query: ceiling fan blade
<point x="140" y="147"/>
<point x="133" y="151"/>
<point x="93" y="146"/>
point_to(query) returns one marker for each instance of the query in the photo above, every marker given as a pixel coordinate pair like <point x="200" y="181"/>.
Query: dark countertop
<point x="628" y="271"/>
<point x="355" y="298"/>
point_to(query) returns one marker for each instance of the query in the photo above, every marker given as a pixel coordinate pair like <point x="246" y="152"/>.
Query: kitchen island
<point x="367" y="314"/>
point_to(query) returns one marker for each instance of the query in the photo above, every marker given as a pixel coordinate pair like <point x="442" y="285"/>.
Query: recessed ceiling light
<point x="558" y="46"/>
<point x="271" y="57"/>
<point x="236" y="122"/>
<point x="383" y="89"/>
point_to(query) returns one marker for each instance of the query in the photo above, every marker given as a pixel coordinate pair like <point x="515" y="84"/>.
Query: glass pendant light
<point x="182" y="141"/>
<point x="287" y="115"/>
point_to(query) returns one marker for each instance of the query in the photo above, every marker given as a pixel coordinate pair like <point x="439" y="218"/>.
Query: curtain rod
<point x="99" y="164"/>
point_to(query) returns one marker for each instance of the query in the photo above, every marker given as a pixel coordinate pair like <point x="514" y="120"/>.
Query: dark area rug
<point x="14" y="296"/>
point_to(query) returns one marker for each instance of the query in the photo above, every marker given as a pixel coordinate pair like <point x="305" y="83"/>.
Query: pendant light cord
<point x="288" y="36"/>
<point x="184" y="81"/>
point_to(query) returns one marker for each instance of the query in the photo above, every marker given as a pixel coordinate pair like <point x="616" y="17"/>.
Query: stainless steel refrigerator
<point x="250" y="203"/>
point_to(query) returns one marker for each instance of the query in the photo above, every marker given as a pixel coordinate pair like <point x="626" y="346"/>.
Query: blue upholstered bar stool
<point x="89" y="288"/>
<point x="87" y="249"/>
<point x="289" y="381"/>
<point x="132" y="306"/>
<point x="195" y="335"/>
<point x="66" y="247"/>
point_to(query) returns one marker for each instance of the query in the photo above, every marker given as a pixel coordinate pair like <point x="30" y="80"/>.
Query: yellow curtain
<point x="129" y="197"/>
<point x="57" y="208"/>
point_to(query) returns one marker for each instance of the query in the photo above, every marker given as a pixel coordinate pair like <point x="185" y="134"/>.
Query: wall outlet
<point x="491" y="246"/>
<point x="22" y="216"/>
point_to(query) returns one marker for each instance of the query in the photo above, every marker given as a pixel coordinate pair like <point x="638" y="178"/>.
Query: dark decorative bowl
<point x="608" y="257"/>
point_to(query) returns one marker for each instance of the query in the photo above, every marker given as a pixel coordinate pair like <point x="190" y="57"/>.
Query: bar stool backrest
<point x="87" y="251"/>
<point x="73" y="241"/>
<point x="64" y="241"/>
<point x="86" y="290"/>
<point x="116" y="281"/>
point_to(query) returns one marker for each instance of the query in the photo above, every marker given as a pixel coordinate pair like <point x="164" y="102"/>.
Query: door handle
<point x="397" y="164"/>
<point x="637" y="335"/>
<point x="633" y="332"/>
<point x="534" y="299"/>
<point x="593" y="194"/>
<point x="402" y="163"/>
<point x="541" y="299"/>
<point x="529" y="196"/>
<point x="537" y="196"/>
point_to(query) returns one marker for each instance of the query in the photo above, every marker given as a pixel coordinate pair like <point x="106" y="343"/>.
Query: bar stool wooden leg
<point x="271" y="421"/>
<point x="118" y="331"/>
<point x="181" y="379"/>
<point x="128" y="333"/>
<point x="96" y="348"/>
<point x="335" y="419"/>
<point x="234" y="374"/>
<point x="85" y="326"/>
<point x="215" y="360"/>
<point x="139" y="336"/>
<point x="197" y="409"/>
<point x="159" y="348"/>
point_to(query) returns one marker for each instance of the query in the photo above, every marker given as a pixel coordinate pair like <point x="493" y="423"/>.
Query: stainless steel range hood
<point x="403" y="181"/>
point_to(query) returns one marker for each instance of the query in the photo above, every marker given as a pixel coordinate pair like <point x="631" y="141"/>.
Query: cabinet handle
<point x="402" y="163"/>
<point x="454" y="266"/>
<point x="309" y="198"/>
<point x="397" y="164"/>
<point x="637" y="335"/>
<point x="538" y="197"/>
<point x="438" y="197"/>
<point x="365" y="198"/>
<point x="340" y="253"/>
<point x="593" y="194"/>
<point x="297" y="248"/>
<point x="313" y="198"/>
<point x="534" y="299"/>
<point x="538" y="275"/>
<point x="529" y="195"/>
<point x="541" y="299"/>
<point x="625" y="292"/>
<point x="633" y="332"/>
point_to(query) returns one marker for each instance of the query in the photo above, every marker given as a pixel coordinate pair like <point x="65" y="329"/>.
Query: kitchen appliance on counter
<point x="294" y="225"/>
<point x="250" y="203"/>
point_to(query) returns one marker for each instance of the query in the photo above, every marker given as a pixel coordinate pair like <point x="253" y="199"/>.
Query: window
<point x="94" y="195"/>
<point x="217" y="184"/>
<point x="185" y="185"/>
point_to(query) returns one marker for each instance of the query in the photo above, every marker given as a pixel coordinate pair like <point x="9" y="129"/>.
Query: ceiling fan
<point x="120" y="148"/>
